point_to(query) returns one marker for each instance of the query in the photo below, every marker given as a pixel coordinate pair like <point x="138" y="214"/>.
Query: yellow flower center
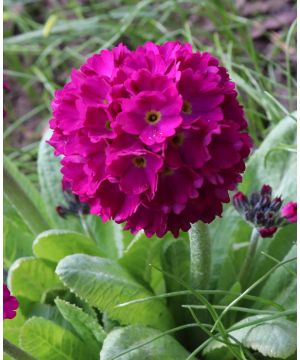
<point x="178" y="139"/>
<point x="186" y="107"/>
<point x="107" y="125"/>
<point x="139" y="162"/>
<point x="167" y="171"/>
<point x="152" y="117"/>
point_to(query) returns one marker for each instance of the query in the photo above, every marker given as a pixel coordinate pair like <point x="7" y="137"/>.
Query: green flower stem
<point x="200" y="255"/>
<point x="249" y="258"/>
<point x="15" y="352"/>
<point x="200" y="271"/>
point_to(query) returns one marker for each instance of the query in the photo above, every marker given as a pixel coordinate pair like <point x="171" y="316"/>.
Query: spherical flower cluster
<point x="10" y="304"/>
<point x="264" y="212"/>
<point x="153" y="137"/>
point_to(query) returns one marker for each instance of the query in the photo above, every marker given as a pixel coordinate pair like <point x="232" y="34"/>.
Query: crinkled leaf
<point x="85" y="326"/>
<point x="274" y="338"/>
<point x="30" y="277"/>
<point x="54" y="245"/>
<point x="47" y="341"/>
<point x="104" y="283"/>
<point x="281" y="286"/>
<point x="122" y="339"/>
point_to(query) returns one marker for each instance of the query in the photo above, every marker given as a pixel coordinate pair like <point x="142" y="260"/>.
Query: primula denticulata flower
<point x="153" y="137"/>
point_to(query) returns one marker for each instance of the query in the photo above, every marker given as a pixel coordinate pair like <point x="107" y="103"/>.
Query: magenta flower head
<point x="10" y="304"/>
<point x="289" y="211"/>
<point x="153" y="137"/>
<point x="264" y="212"/>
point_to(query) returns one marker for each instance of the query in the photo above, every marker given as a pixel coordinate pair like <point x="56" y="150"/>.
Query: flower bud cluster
<point x="73" y="205"/>
<point x="263" y="211"/>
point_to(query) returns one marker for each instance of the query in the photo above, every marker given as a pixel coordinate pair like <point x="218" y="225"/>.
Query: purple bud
<point x="259" y="218"/>
<point x="267" y="232"/>
<point x="270" y="218"/>
<point x="240" y="202"/>
<point x="266" y="190"/>
<point x="249" y="215"/>
<point x="276" y="204"/>
<point x="254" y="198"/>
<point x="61" y="211"/>
<point x="265" y="201"/>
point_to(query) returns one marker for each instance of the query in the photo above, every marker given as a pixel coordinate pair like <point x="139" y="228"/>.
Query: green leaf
<point x="47" y="341"/>
<point x="123" y="339"/>
<point x="12" y="327"/>
<point x="281" y="286"/>
<point x="277" y="247"/>
<point x="48" y="312"/>
<point x="50" y="182"/>
<point x="176" y="261"/>
<point x="218" y="353"/>
<point x="274" y="338"/>
<point x="140" y="254"/>
<point x="279" y="171"/>
<point x="109" y="236"/>
<point x="17" y="240"/>
<point x="30" y="277"/>
<point x="225" y="232"/>
<point x="54" y="245"/>
<point x="235" y="289"/>
<point x="25" y="198"/>
<point x="85" y="326"/>
<point x="11" y="213"/>
<point x="103" y="283"/>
